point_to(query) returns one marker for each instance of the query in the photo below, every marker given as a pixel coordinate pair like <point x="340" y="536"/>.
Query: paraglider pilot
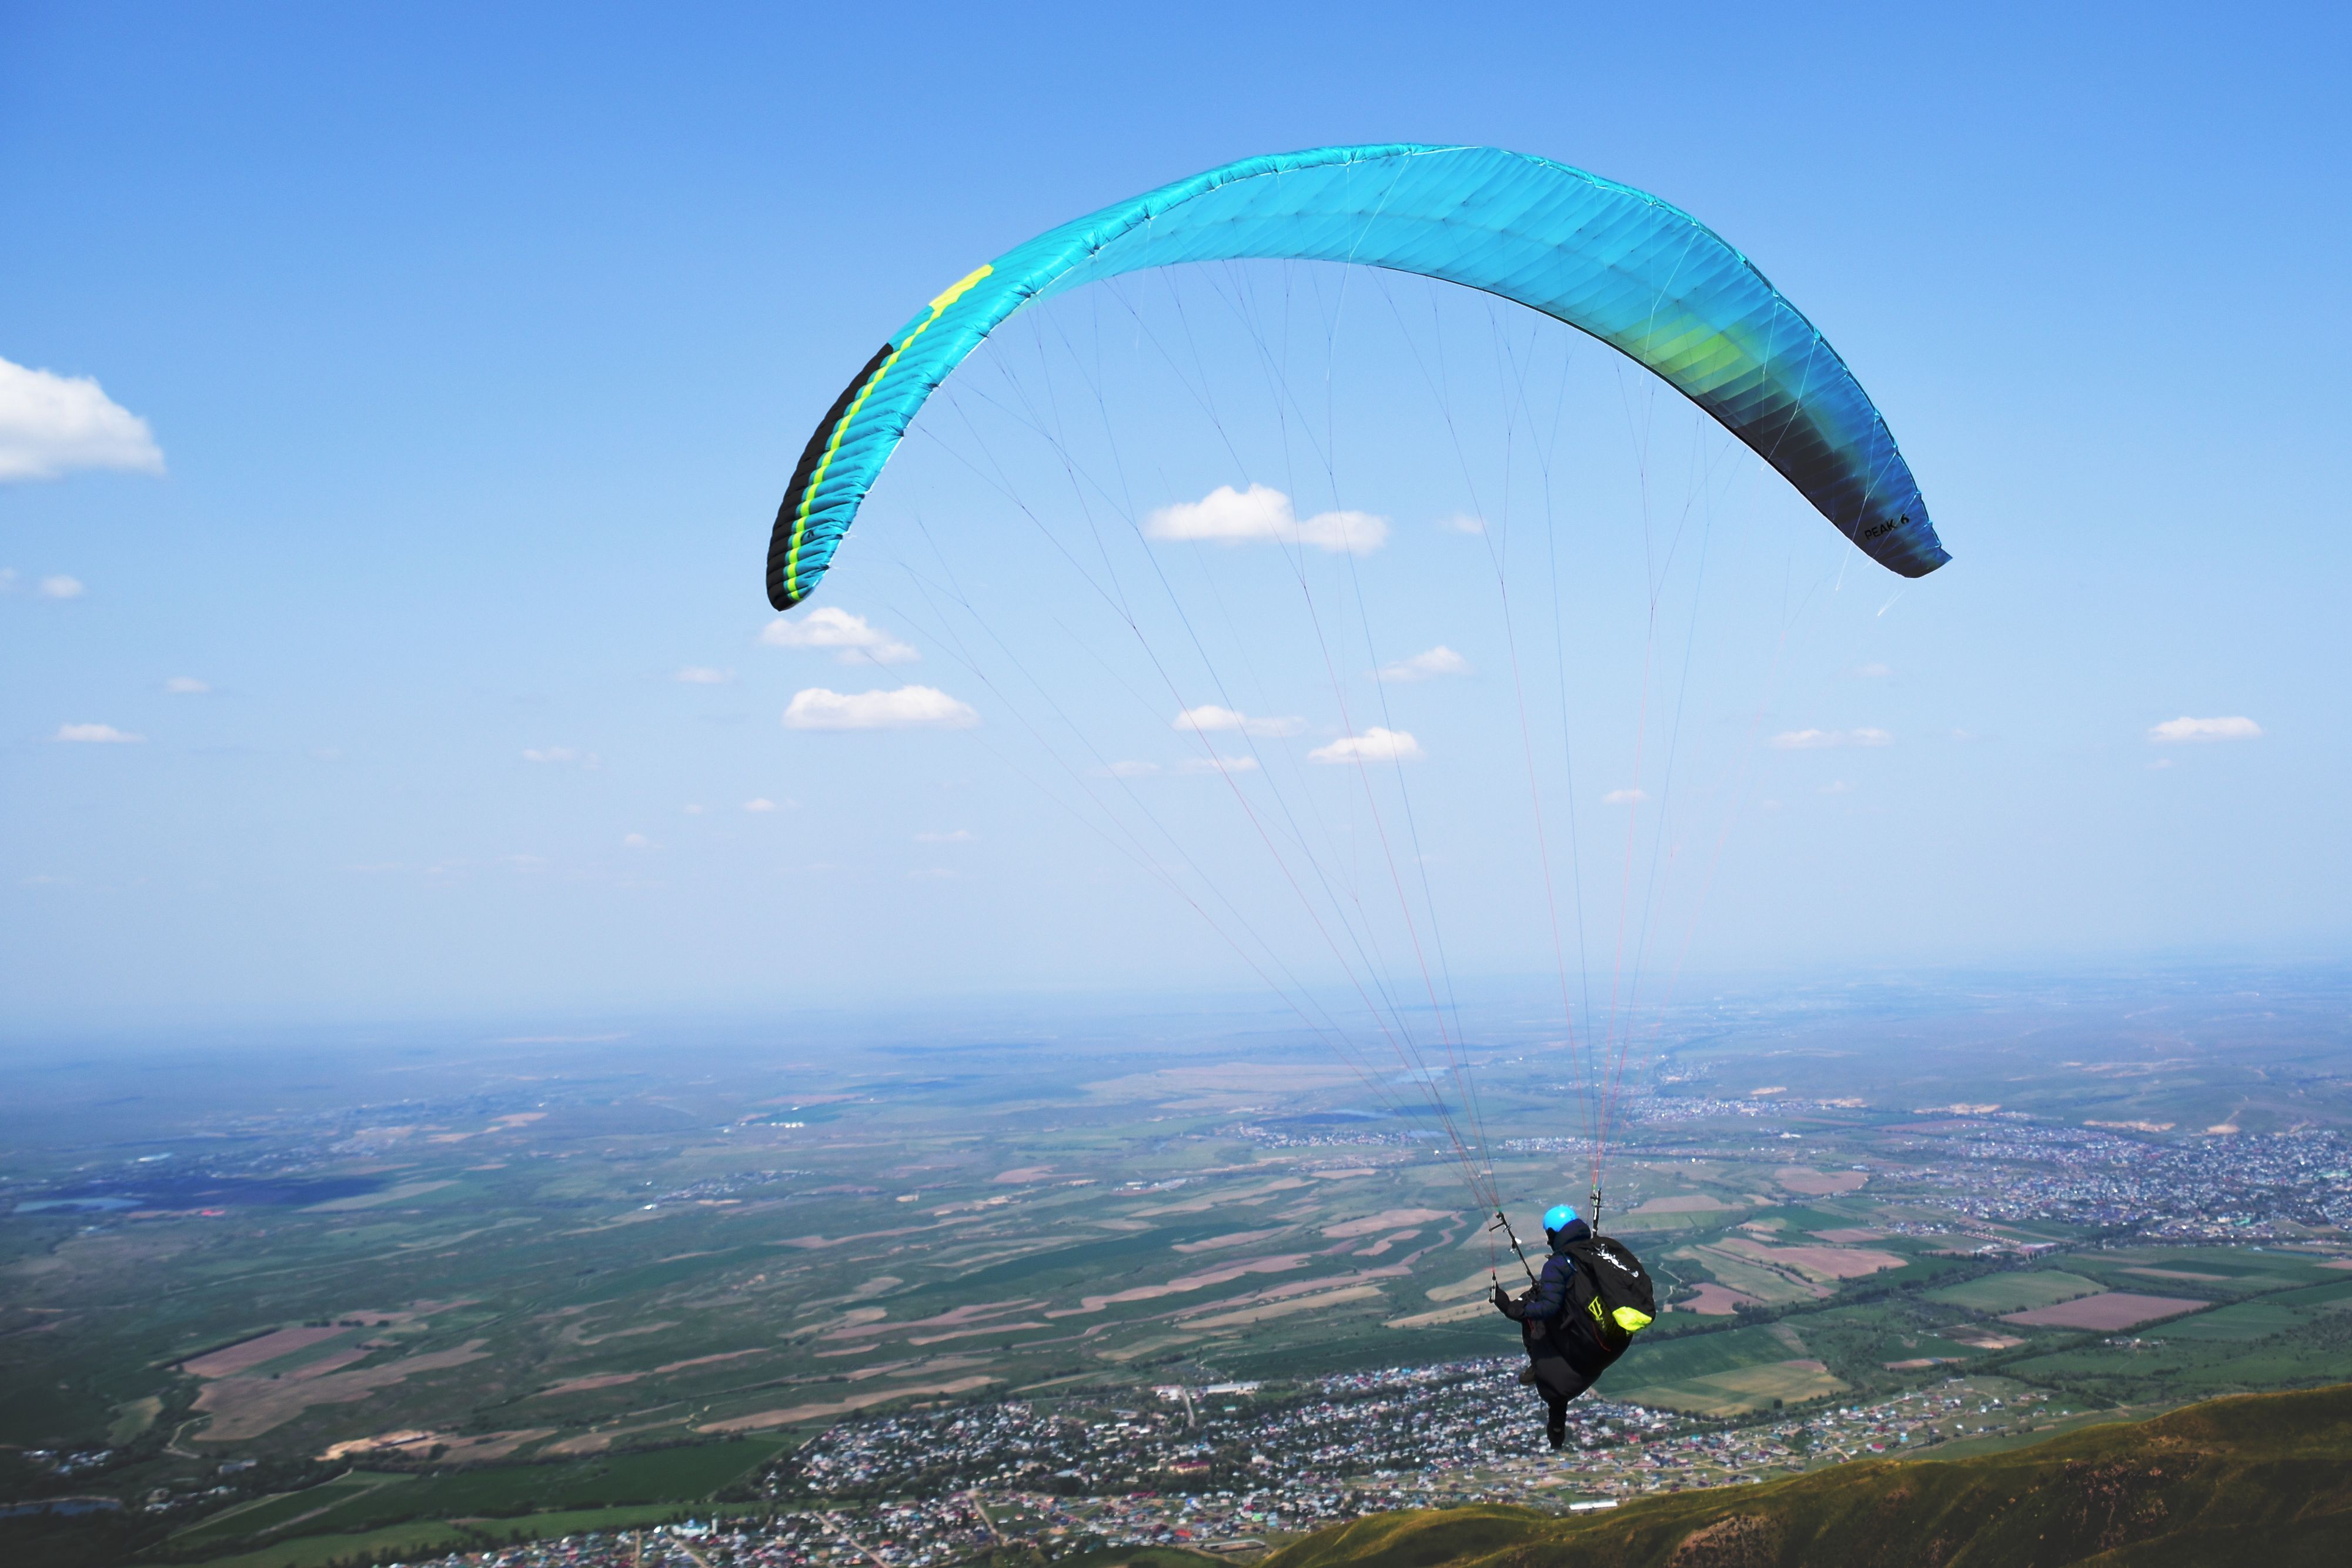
<point x="1578" y="1317"/>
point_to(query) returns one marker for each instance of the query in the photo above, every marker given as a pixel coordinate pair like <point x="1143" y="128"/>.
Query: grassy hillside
<point x="2266" y="1477"/>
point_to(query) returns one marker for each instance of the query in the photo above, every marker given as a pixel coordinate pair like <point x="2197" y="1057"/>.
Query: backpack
<point x="1613" y="1290"/>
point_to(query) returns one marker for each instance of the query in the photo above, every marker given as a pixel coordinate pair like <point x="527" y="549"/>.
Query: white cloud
<point x="695" y="811"/>
<point x="1230" y="517"/>
<point x="760" y="803"/>
<point x="959" y="836"/>
<point x="62" y="587"/>
<point x="849" y="638"/>
<point x="1209" y="718"/>
<point x="908" y="708"/>
<point x="1873" y="672"/>
<point x="1462" y="523"/>
<point x="50" y="424"/>
<point x="563" y="756"/>
<point x="636" y="841"/>
<point x="1624" y="796"/>
<point x="1837" y="787"/>
<point x="703" y="675"/>
<point x="1820" y="739"/>
<point x="2178" y="729"/>
<point x="1438" y="661"/>
<point x="1375" y="745"/>
<point x="8" y="579"/>
<point x="96" y="734"/>
<point x="186" y="686"/>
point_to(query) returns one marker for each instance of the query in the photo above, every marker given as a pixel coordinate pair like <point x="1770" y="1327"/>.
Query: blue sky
<point x="472" y="347"/>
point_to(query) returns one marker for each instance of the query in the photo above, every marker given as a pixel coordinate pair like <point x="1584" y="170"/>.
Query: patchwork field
<point x="499" y="1295"/>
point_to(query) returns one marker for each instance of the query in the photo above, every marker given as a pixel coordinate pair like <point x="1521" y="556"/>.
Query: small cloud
<point x="703" y="675"/>
<point x="1218" y="765"/>
<point x="959" y="836"/>
<point x="1209" y="719"/>
<point x="1438" y="661"/>
<point x="1837" y="787"/>
<point x="96" y="734"/>
<point x="43" y="879"/>
<point x="186" y="686"/>
<point x="2160" y="765"/>
<point x="524" y="863"/>
<point x="1624" y="796"/>
<point x="562" y="756"/>
<point x="2179" y="730"/>
<point x="636" y="841"/>
<point x="8" y="579"/>
<point x="50" y="424"/>
<point x="694" y="810"/>
<point x="849" y="638"/>
<point x="1873" y="672"/>
<point x="760" y="803"/>
<point x="908" y="708"/>
<point x="1462" y="523"/>
<point x="1965" y="735"/>
<point x="1820" y="739"/>
<point x="62" y="587"/>
<point x="1375" y="745"/>
<point x="328" y="752"/>
<point x="1229" y="517"/>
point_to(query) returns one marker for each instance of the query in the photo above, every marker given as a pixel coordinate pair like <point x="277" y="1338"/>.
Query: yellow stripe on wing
<point x="808" y="495"/>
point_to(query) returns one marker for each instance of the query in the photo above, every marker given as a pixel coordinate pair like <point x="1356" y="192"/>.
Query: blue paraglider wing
<point x="1638" y="274"/>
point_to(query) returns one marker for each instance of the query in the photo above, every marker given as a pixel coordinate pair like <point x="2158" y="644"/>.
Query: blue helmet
<point x="1559" y="1216"/>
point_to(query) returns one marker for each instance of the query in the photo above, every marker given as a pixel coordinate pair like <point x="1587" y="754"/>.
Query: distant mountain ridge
<point x="2258" y="1478"/>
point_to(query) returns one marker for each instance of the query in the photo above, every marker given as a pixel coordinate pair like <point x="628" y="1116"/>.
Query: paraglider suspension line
<point x="1504" y="1226"/>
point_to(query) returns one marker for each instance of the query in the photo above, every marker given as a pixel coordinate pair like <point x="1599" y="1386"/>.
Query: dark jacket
<point x="1549" y="1298"/>
<point x="1545" y="1322"/>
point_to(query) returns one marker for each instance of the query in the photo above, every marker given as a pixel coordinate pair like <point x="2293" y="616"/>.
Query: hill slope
<point x="2265" y="1478"/>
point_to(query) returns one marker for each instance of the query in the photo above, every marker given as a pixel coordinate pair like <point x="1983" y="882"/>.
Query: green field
<point x="1674" y="1360"/>
<point x="2239" y="1324"/>
<point x="2016" y="1292"/>
<point x="321" y="1550"/>
<point x="247" y="1520"/>
<point x="1763" y="1386"/>
<point x="362" y="1502"/>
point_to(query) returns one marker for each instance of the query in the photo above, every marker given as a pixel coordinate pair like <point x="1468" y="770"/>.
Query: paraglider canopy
<point x="1631" y="270"/>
